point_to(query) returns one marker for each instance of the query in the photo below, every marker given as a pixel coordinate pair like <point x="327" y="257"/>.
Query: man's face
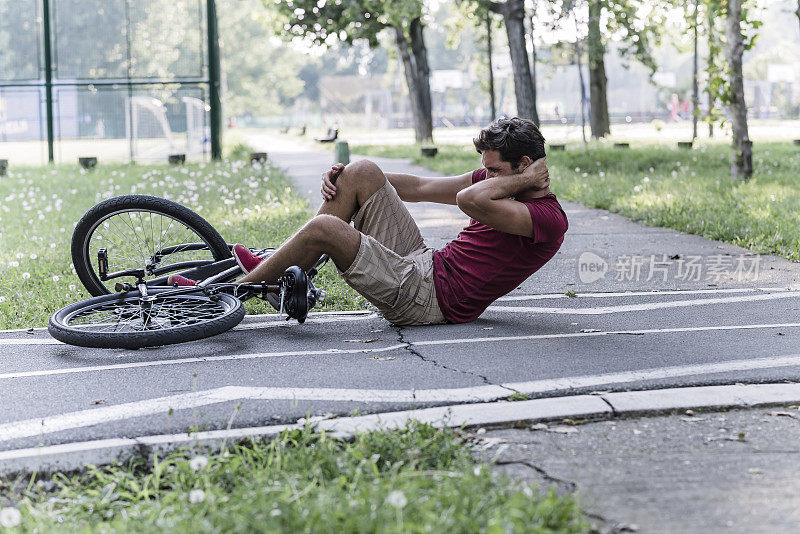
<point x="494" y="164"/>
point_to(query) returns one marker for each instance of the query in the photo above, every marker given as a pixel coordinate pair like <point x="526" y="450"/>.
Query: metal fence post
<point x="48" y="78"/>
<point x="214" y="80"/>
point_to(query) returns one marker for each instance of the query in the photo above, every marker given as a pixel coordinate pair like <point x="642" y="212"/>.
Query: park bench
<point x="333" y="133"/>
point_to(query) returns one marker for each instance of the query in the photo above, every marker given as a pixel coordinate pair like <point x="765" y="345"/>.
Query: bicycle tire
<point x="107" y="210"/>
<point x="168" y="325"/>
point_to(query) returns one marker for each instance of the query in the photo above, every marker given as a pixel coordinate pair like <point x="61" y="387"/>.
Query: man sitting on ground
<point x="516" y="226"/>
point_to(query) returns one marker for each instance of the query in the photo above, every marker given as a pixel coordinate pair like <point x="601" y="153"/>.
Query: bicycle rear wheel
<point x="126" y="320"/>
<point x="141" y="232"/>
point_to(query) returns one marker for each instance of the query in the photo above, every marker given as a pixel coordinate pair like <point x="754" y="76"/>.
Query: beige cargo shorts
<point x="393" y="268"/>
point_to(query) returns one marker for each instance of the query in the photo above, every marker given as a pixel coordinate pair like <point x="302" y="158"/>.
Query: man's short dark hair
<point x="512" y="138"/>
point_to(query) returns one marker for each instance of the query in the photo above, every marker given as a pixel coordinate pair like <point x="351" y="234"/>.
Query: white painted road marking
<point x="156" y="363"/>
<point x="333" y="316"/>
<point x="30" y="341"/>
<point x="602" y="310"/>
<point x="108" y="414"/>
<point x="71" y="456"/>
<point x="548" y="296"/>
<point x="249" y="325"/>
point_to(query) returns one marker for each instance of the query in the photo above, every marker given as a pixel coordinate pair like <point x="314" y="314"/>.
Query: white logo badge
<point x="591" y="267"/>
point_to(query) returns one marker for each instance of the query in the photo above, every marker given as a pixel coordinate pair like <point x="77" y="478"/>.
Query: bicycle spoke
<point x="129" y="316"/>
<point x="132" y="238"/>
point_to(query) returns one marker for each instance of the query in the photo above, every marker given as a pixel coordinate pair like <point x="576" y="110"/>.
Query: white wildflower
<point x="397" y="499"/>
<point x="198" y="462"/>
<point x="10" y="517"/>
<point x="196" y="496"/>
<point x="26" y="275"/>
<point x="275" y="512"/>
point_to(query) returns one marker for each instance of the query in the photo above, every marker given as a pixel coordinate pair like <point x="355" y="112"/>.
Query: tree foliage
<point x="718" y="69"/>
<point x="350" y="20"/>
<point x="253" y="84"/>
<point x="635" y="26"/>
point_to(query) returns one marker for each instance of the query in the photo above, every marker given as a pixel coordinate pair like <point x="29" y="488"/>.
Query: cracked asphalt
<point x="709" y="472"/>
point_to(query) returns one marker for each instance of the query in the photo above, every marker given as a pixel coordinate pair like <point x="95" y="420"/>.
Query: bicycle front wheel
<point x="141" y="232"/>
<point x="129" y="321"/>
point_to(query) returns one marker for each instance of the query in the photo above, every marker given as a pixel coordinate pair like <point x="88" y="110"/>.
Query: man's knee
<point x="324" y="229"/>
<point x="362" y="175"/>
<point x="331" y="235"/>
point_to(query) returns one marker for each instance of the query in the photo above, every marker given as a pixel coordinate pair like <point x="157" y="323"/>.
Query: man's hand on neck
<point x="532" y="180"/>
<point x="537" y="175"/>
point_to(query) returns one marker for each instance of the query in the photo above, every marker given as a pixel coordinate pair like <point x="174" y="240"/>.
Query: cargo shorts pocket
<point x="397" y="287"/>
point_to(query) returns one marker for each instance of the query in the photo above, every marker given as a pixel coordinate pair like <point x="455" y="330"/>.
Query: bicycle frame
<point x="227" y="269"/>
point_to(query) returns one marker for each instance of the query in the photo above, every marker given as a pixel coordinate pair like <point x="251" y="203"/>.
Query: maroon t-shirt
<point x="483" y="264"/>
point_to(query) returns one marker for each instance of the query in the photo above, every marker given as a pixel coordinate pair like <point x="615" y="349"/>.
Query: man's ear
<point x="524" y="163"/>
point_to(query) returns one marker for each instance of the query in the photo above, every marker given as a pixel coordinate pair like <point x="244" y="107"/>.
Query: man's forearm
<point x="502" y="186"/>
<point x="405" y="185"/>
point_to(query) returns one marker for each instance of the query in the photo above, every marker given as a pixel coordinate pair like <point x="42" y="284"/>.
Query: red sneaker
<point x="180" y="281"/>
<point x="247" y="260"/>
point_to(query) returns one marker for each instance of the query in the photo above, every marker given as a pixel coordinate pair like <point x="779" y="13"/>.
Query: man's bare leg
<point x="354" y="185"/>
<point x="330" y="231"/>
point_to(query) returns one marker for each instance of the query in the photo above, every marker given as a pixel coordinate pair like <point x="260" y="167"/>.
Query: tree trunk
<point x="742" y="150"/>
<point x="532" y="19"/>
<point x="491" y="67"/>
<point x="712" y="99"/>
<point x="583" y="90"/>
<point x="695" y="88"/>
<point x="598" y="112"/>
<point x="420" y="53"/>
<point x="420" y="103"/>
<point x="797" y="11"/>
<point x="513" y="12"/>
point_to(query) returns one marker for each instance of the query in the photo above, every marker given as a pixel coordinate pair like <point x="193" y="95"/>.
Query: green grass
<point x="688" y="190"/>
<point x="254" y="205"/>
<point x="416" y="480"/>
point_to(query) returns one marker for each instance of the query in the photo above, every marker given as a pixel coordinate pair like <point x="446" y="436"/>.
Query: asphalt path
<point x="614" y="334"/>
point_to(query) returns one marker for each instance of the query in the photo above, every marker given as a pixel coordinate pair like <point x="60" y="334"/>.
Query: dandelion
<point x="56" y="278"/>
<point x="26" y="275"/>
<point x="197" y="496"/>
<point x="397" y="499"/>
<point x="198" y="462"/>
<point x="10" y="517"/>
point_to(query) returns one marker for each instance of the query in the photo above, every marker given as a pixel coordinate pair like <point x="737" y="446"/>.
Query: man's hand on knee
<point x="329" y="179"/>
